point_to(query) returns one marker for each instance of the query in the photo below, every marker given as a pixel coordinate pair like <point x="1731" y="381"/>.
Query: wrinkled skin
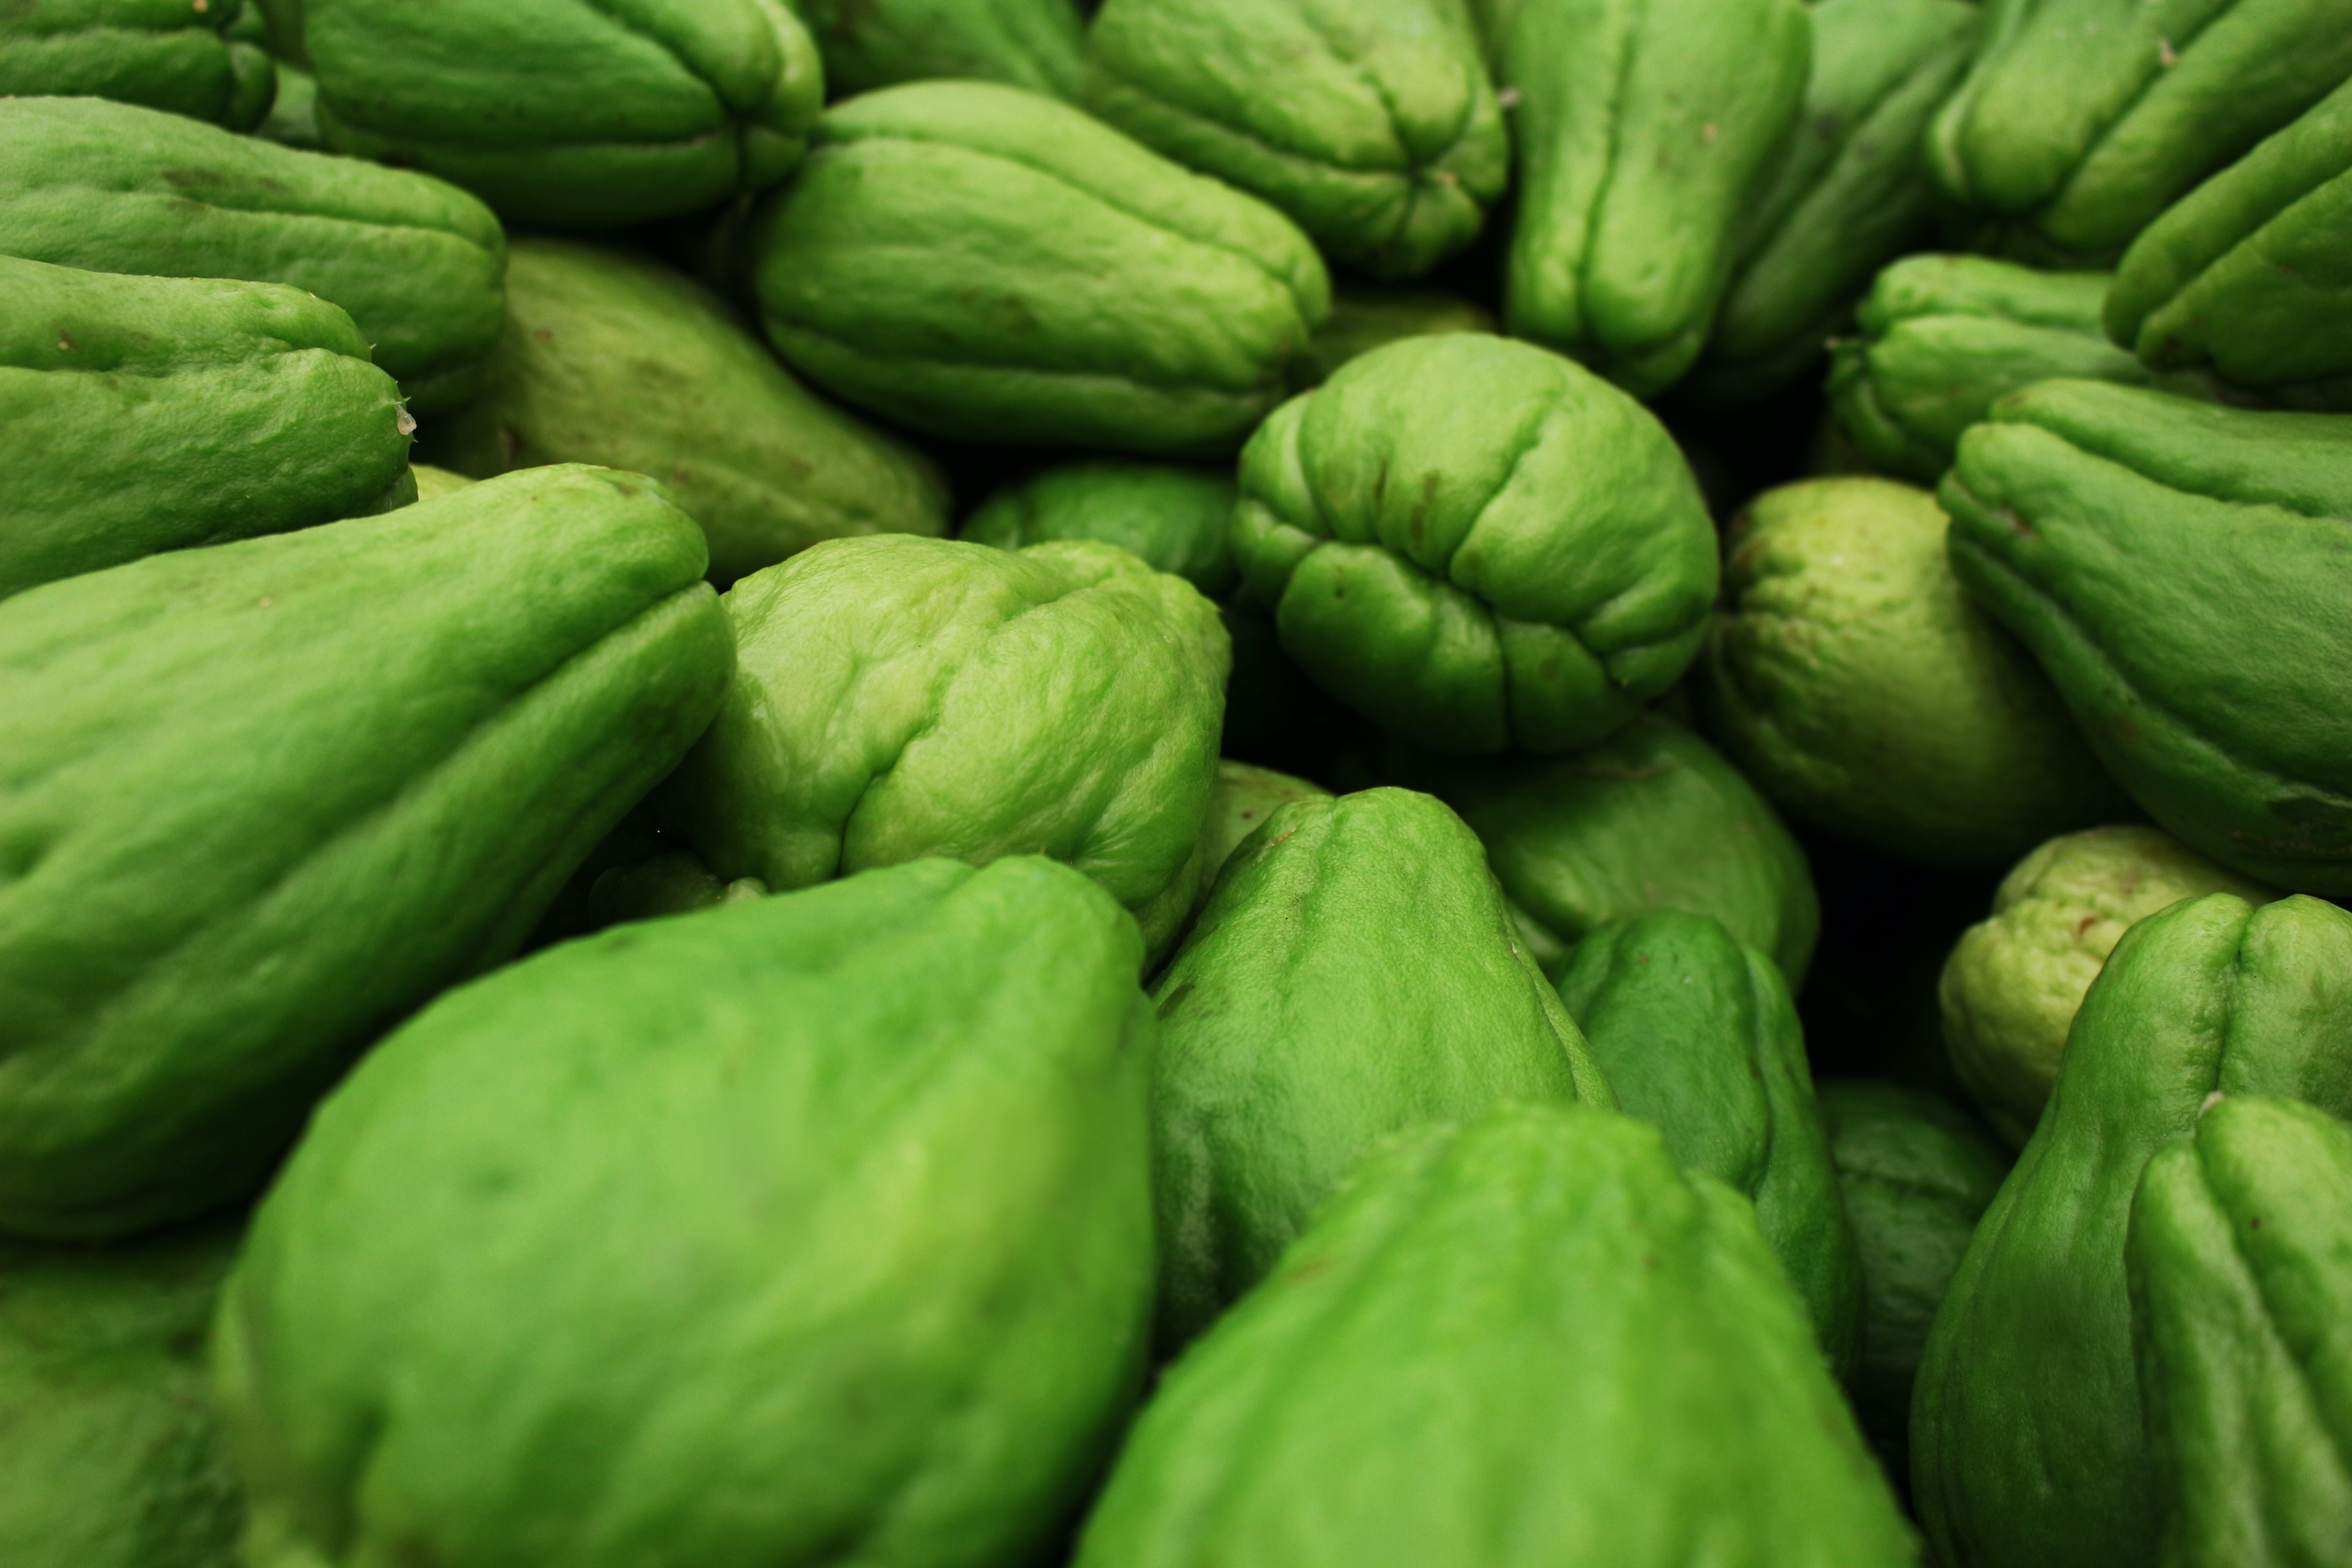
<point x="1364" y="317"/>
<point x="1173" y="515"/>
<point x="162" y="54"/>
<point x="1244" y="797"/>
<point x="1036" y="43"/>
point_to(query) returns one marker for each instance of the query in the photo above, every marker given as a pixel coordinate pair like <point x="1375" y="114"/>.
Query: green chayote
<point x="1244" y="797"/>
<point x="609" y="359"/>
<point x="1383" y="139"/>
<point x="805" y="1229"/>
<point x="171" y="54"/>
<point x="1036" y="43"/>
<point x="1174" y="516"/>
<point x="1477" y="544"/>
<point x="993" y="265"/>
<point x="1365" y="317"/>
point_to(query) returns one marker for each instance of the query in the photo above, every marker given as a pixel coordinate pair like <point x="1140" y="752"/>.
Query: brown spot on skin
<point x="64" y="342"/>
<point x="264" y="602"/>
<point x="2024" y="529"/>
<point x="2084" y="924"/>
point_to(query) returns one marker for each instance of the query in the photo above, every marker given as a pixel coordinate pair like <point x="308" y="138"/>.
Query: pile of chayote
<point x="1175" y="784"/>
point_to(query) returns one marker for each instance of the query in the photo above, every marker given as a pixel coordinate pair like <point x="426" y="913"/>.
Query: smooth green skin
<point x="1651" y="818"/>
<point x="1476" y="544"/>
<point x="1384" y="140"/>
<point x="293" y="118"/>
<point x="2082" y="120"/>
<point x="2180" y="571"/>
<point x="810" y="1230"/>
<point x="1037" y="43"/>
<point x="2241" y="1265"/>
<point x="1354" y="972"/>
<point x="251" y="408"/>
<point x="1647" y="131"/>
<point x="564" y="113"/>
<point x="1698" y="1034"/>
<point x="1941" y="339"/>
<point x="1245" y="797"/>
<point x="164" y="54"/>
<point x="899" y="696"/>
<point x="1174" y="516"/>
<point x="110" y="1456"/>
<point x="114" y="188"/>
<point x="612" y="360"/>
<point x="2247" y="274"/>
<point x="2013" y="983"/>
<point x="1849" y="677"/>
<point x="1848" y="193"/>
<point x="1529" y="1342"/>
<point x="1365" y="317"/>
<point x="1917" y="1173"/>
<point x="2026" y="1439"/>
<point x="983" y="263"/>
<point x="258" y="802"/>
<point x="433" y="483"/>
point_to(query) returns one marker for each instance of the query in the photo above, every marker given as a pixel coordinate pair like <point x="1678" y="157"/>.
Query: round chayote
<point x="898" y="697"/>
<point x="1176" y="517"/>
<point x="1476" y="543"/>
<point x="2012" y="987"/>
<point x="171" y="55"/>
<point x="1852" y="681"/>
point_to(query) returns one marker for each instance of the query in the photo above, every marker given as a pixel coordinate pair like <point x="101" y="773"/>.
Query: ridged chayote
<point x="1354" y="972"/>
<point x="250" y="409"/>
<point x="1528" y="1342"/>
<point x="2026" y="1437"/>
<point x="609" y="359"/>
<point x="1036" y="43"/>
<point x="1177" y="517"/>
<point x="982" y="262"/>
<point x="568" y="113"/>
<point x="1384" y="140"/>
<point x="258" y="802"/>
<point x="807" y="1230"/>
<point x="414" y="261"/>
<point x="1476" y="543"/>
<point x="165" y="54"/>
<point x="2013" y="986"/>
<point x="2183" y="570"/>
<point x="898" y="697"/>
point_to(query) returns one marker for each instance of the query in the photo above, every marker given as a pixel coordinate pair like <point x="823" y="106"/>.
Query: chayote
<point x="1177" y="517"/>
<point x="1917" y="1172"/>
<point x="989" y="264"/>
<point x="1647" y="131"/>
<point x="110" y="1455"/>
<point x="1864" y="693"/>
<point x="2245" y="275"/>
<point x="2026" y="1439"/>
<point x="1384" y="141"/>
<point x="169" y="55"/>
<point x="259" y="801"/>
<point x="609" y="359"/>
<point x="1698" y="1035"/>
<point x="1036" y="43"/>
<point x="1941" y="339"/>
<point x="2013" y="983"/>
<point x="1525" y="1344"/>
<point x="2182" y="571"/>
<point x="2241" y="1265"/>
<point x="1652" y="818"/>
<point x="1243" y="798"/>
<point x="293" y="118"/>
<point x="1365" y="317"/>
<point x="433" y="483"/>
<point x="802" y="1231"/>
<point x="243" y="408"/>
<point x="1353" y="972"/>
<point x="2082" y="120"/>
<point x="900" y="697"/>
<point x="1476" y="544"/>
<point x="1847" y="195"/>
<point x="564" y="113"/>
<point x="113" y="188"/>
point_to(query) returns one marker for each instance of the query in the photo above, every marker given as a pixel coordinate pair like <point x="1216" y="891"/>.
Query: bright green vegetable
<point x="1354" y="972"/>
<point x="987" y="264"/>
<point x="1698" y="1035"/>
<point x="1036" y="43"/>
<point x="564" y="113"/>
<point x="1647" y="131"/>
<point x="1365" y="317"/>
<point x="1175" y="516"/>
<point x="258" y="802"/>
<point x="1243" y="798"/>
<point x="2013" y="983"/>
<point x="2026" y="1437"/>
<point x="802" y="1230"/>
<point x="1528" y="1342"/>
<point x="2181" y="572"/>
<point x="1371" y="123"/>
<point x="245" y="408"/>
<point x="433" y="483"/>
<point x="2241" y="1262"/>
<point x="607" y="359"/>
<point x="1476" y="544"/>
<point x="166" y="54"/>
<point x="900" y="697"/>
